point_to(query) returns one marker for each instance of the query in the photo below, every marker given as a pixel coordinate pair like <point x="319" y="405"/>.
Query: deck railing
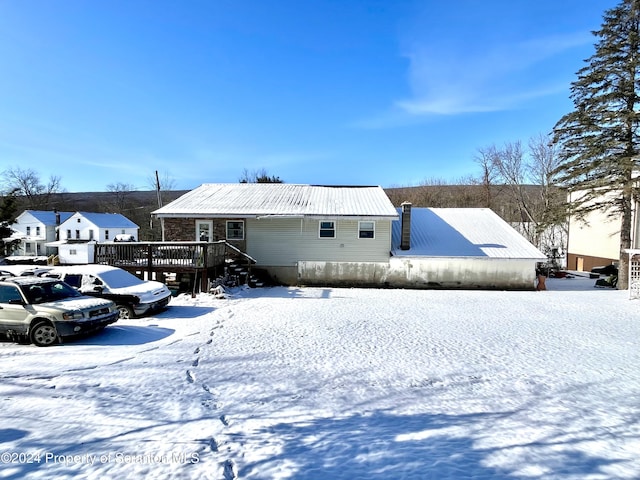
<point x="150" y="255"/>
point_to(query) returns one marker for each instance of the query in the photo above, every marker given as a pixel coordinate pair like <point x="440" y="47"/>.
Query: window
<point x="78" y="220"/>
<point x="77" y="234"/>
<point x="235" y="230"/>
<point x="74" y="280"/>
<point x="9" y="293"/>
<point x="68" y="234"/>
<point x="73" y="251"/>
<point x="106" y="234"/>
<point x="28" y="248"/>
<point x="38" y="231"/>
<point x="366" y="229"/>
<point x="90" y="234"/>
<point x="327" y="229"/>
<point x="28" y="231"/>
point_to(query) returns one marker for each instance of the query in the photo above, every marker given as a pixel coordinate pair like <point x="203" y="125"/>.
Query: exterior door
<point x="204" y="231"/>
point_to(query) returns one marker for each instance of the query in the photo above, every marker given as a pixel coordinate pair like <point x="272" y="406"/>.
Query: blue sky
<point x="386" y="93"/>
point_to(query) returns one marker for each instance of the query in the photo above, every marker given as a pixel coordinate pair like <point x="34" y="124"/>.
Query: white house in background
<point x="79" y="233"/>
<point x="34" y="229"/>
<point x="460" y="248"/>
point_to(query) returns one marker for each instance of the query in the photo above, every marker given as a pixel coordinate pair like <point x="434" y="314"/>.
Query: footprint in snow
<point x="196" y="362"/>
<point x="230" y="470"/>
<point x="213" y="444"/>
<point x="225" y="420"/>
<point x="209" y="341"/>
<point x="196" y="351"/>
<point x="190" y="376"/>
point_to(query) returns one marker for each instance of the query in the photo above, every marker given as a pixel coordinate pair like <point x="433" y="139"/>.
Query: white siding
<point x="284" y="241"/>
<point x="598" y="237"/>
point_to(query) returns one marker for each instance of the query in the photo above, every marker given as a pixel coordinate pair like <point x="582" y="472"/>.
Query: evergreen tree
<point x="7" y="217"/>
<point x="598" y="142"/>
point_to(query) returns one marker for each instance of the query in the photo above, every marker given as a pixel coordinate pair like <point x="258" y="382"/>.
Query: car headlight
<point x="72" y="315"/>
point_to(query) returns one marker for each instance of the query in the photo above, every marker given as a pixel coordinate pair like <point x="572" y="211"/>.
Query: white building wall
<point x="34" y="235"/>
<point x="598" y="237"/>
<point x="76" y="253"/>
<point x="285" y="241"/>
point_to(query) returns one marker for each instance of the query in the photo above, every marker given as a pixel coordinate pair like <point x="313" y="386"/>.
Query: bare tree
<point x="27" y="183"/>
<point x="534" y="202"/>
<point x="485" y="158"/>
<point x="120" y="199"/>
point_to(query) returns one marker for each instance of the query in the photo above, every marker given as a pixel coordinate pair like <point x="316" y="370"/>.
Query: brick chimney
<point x="405" y="233"/>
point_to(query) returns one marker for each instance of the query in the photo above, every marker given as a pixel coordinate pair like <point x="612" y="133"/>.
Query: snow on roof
<point x="280" y="199"/>
<point x="462" y="232"/>
<point x="48" y="217"/>
<point x="108" y="220"/>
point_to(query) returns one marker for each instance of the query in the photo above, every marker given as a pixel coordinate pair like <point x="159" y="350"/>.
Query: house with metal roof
<point x="33" y="229"/>
<point x="349" y="235"/>
<point x="79" y="233"/>
<point x="285" y="226"/>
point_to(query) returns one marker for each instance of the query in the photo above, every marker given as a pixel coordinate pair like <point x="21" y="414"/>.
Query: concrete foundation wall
<point x="449" y="273"/>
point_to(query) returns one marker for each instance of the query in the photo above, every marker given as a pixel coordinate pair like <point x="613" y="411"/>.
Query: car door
<point x="13" y="314"/>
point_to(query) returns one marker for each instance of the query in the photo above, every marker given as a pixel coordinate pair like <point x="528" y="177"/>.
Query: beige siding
<point x="284" y="242"/>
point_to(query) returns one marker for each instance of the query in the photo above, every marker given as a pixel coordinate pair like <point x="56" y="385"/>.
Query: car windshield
<point x="49" y="292"/>
<point x="119" y="279"/>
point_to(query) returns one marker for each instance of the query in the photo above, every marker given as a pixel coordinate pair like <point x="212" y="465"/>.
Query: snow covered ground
<point x="320" y="383"/>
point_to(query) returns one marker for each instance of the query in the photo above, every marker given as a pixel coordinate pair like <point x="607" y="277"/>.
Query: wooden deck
<point x="198" y="260"/>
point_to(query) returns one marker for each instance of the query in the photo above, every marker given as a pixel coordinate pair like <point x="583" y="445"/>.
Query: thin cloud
<point x="498" y="78"/>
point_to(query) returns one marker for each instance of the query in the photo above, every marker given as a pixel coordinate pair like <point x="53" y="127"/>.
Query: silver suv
<point x="45" y="310"/>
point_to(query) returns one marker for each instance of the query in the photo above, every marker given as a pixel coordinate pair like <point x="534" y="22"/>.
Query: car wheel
<point x="43" y="334"/>
<point x="125" y="311"/>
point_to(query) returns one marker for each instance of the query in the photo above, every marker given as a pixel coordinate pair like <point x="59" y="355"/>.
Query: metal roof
<point x="462" y="232"/>
<point x="279" y="199"/>
<point x="47" y="217"/>
<point x="106" y="220"/>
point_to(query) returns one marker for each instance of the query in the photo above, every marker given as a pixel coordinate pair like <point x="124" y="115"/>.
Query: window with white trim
<point x="204" y="231"/>
<point x="235" y="230"/>
<point x="366" y="229"/>
<point x="327" y="229"/>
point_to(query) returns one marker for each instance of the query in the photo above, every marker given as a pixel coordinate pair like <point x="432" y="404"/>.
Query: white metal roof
<point x="462" y="232"/>
<point x="279" y="199"/>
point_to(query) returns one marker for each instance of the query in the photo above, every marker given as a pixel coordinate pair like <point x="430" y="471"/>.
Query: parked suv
<point x="45" y="310"/>
<point x="133" y="297"/>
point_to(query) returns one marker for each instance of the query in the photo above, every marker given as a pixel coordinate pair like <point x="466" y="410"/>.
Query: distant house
<point x="34" y="229"/>
<point x="460" y="248"/>
<point x="79" y="232"/>
<point x="346" y="235"/>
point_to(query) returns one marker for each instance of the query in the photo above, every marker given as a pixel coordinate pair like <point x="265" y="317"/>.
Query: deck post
<point x="149" y="262"/>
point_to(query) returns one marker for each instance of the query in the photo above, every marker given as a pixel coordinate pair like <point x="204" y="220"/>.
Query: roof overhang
<point x="266" y="216"/>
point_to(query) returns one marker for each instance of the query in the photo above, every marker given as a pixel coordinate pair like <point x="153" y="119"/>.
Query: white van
<point x="133" y="297"/>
